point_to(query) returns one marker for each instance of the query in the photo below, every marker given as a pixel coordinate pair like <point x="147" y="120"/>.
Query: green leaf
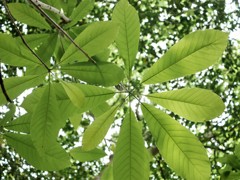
<point x="16" y="85"/>
<point x="193" y="104"/>
<point x="95" y="133"/>
<point x="84" y="7"/>
<point x="25" y="14"/>
<point x="79" y="154"/>
<point x="195" y="52"/>
<point x="128" y="38"/>
<point x="74" y="93"/>
<point x="130" y="158"/>
<point x="21" y="124"/>
<point x="15" y="53"/>
<point x="178" y="146"/>
<point x="46" y="121"/>
<point x="107" y="173"/>
<point x="100" y="109"/>
<point x="101" y="73"/>
<point x="55" y="158"/>
<point x="102" y="56"/>
<point x="75" y="120"/>
<point x="8" y="115"/>
<point x="92" y="40"/>
<point x="34" y="40"/>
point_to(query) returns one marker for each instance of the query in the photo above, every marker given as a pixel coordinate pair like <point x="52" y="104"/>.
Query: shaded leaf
<point x="195" y="52"/>
<point x="102" y="73"/>
<point x="179" y="147"/>
<point x="8" y="115"/>
<point x="108" y="173"/>
<point x="95" y="133"/>
<point x="100" y="109"/>
<point x="92" y="40"/>
<point x="55" y="158"/>
<point x="25" y="14"/>
<point x="193" y="104"/>
<point x="129" y="31"/>
<point x="130" y="158"/>
<point x="79" y="154"/>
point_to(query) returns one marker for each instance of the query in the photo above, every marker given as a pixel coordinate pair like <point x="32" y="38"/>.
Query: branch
<point x="21" y="36"/>
<point x="52" y="9"/>
<point x="61" y="30"/>
<point x="3" y="88"/>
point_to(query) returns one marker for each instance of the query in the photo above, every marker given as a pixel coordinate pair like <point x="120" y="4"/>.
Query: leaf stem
<point x="61" y="30"/>
<point x="4" y="89"/>
<point x="12" y="19"/>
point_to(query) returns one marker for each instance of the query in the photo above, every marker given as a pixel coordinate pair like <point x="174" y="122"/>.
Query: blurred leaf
<point x="8" y="115"/>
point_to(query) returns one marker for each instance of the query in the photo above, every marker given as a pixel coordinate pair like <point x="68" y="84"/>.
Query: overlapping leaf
<point x="101" y="73"/>
<point x="25" y="14"/>
<point x="92" y="40"/>
<point x="79" y="154"/>
<point x="16" y="85"/>
<point x="53" y="160"/>
<point x="46" y="121"/>
<point x="130" y="159"/>
<point x="98" y="129"/>
<point x="179" y="147"/>
<point x="193" y="53"/>
<point x="128" y="38"/>
<point x="193" y="104"/>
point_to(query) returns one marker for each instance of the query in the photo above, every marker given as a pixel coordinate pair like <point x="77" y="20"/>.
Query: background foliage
<point x="162" y="24"/>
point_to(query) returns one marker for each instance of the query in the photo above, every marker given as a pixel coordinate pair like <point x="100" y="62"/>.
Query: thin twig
<point x="61" y="30"/>
<point x="21" y="36"/>
<point x="4" y="89"/>
<point x="52" y="9"/>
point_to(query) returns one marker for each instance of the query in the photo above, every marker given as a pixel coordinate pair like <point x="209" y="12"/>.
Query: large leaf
<point x="92" y="40"/>
<point x="84" y="7"/>
<point x="107" y="173"/>
<point x="55" y="158"/>
<point x="25" y="14"/>
<point x="8" y="115"/>
<point x="21" y="124"/>
<point x="193" y="53"/>
<point x="179" y="147"/>
<point x="193" y="104"/>
<point x="16" y="85"/>
<point x="98" y="129"/>
<point x="15" y="53"/>
<point x="128" y="38"/>
<point x="74" y="93"/>
<point x="46" y="121"/>
<point x="130" y="158"/>
<point x="102" y="73"/>
<point x="79" y="154"/>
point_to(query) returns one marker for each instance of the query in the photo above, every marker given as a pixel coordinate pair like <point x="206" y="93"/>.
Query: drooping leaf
<point x="25" y="14"/>
<point x="79" y="154"/>
<point x="128" y="38"/>
<point x="84" y="7"/>
<point x="193" y="104"/>
<point x="179" y="147"/>
<point x="16" y="85"/>
<point x="92" y="40"/>
<point x="55" y="158"/>
<point x="130" y="158"/>
<point x="95" y="133"/>
<point x="21" y="124"/>
<point x="15" y="53"/>
<point x="74" y="93"/>
<point x="195" y="52"/>
<point x="101" y="73"/>
<point x="46" y="121"/>
<point x="8" y="115"/>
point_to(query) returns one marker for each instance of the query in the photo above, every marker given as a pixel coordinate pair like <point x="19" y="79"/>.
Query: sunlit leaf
<point x="130" y="160"/>
<point x="79" y="154"/>
<point x="55" y="158"/>
<point x="75" y="120"/>
<point x="25" y="14"/>
<point x="128" y="38"/>
<point x="101" y="73"/>
<point x="193" y="104"/>
<point x="8" y="115"/>
<point x="95" y="133"/>
<point x="195" y="52"/>
<point x="178" y="146"/>
<point x="92" y="40"/>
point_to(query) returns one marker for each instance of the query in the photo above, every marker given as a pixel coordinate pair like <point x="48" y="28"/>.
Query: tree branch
<point x="3" y="88"/>
<point x="52" y="9"/>
<point x="21" y="36"/>
<point x="61" y="30"/>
